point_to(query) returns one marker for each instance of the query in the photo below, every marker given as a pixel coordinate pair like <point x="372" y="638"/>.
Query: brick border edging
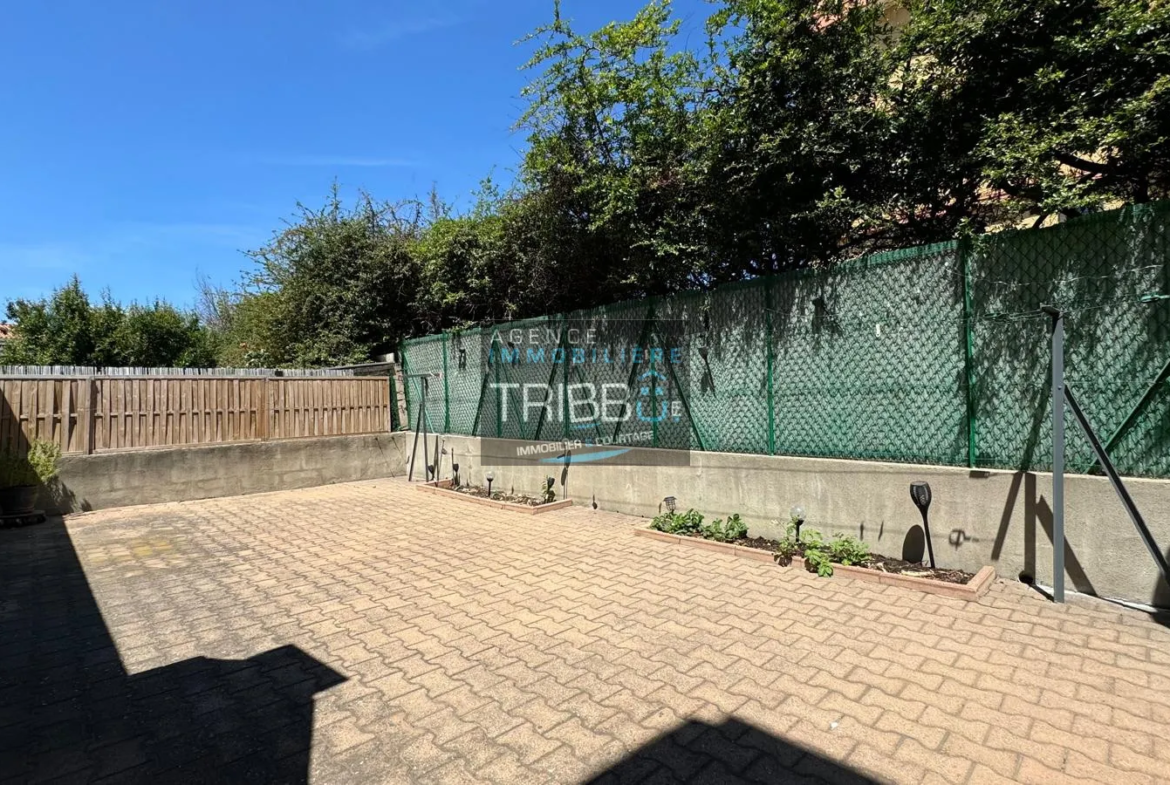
<point x="442" y="488"/>
<point x="742" y="552"/>
<point x="972" y="590"/>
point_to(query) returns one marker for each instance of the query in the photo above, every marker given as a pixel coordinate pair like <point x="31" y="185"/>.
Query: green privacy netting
<point x="938" y="355"/>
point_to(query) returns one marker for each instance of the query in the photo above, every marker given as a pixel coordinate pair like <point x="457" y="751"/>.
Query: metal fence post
<point x="1057" y="452"/>
<point x="565" y="413"/>
<point x="494" y="359"/>
<point x="969" y="353"/>
<point x="653" y="386"/>
<point x="446" y="392"/>
<point x="771" y="365"/>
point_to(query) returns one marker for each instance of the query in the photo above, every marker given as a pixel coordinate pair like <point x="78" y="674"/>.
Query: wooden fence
<point x="90" y="414"/>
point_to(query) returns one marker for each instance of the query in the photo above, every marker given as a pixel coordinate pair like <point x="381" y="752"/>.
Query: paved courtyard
<point x="372" y="633"/>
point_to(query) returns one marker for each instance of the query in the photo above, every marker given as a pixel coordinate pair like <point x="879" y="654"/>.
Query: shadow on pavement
<point x="69" y="712"/>
<point x="731" y="752"/>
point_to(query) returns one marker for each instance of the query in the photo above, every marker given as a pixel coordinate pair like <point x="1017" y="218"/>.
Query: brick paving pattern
<point x="371" y="633"/>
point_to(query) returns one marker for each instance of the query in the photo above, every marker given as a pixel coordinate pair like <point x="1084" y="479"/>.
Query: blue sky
<point x="145" y="142"/>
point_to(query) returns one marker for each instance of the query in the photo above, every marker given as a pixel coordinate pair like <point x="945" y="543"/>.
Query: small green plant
<point x="821" y="555"/>
<point x="548" y="494"/>
<point x="819" y="560"/>
<point x="788" y="546"/>
<point x="734" y="529"/>
<point x="848" y="550"/>
<point x="687" y="523"/>
<point x="812" y="547"/>
<point x="38" y="466"/>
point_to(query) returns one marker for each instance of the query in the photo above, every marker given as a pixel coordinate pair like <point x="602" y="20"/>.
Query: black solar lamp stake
<point x="797" y="513"/>
<point x="489" y="477"/>
<point x="920" y="493"/>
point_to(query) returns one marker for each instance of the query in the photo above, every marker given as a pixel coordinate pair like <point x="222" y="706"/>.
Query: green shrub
<point x="38" y="466"/>
<point x="819" y="560"/>
<point x="848" y="550"/>
<point x="821" y="555"/>
<point x="687" y="523"/>
<point x="690" y="524"/>
<point x="734" y="529"/>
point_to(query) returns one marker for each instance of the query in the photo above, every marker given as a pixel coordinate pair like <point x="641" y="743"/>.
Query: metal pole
<point x="769" y="354"/>
<point x="1057" y="453"/>
<point x="969" y="354"/>
<point x="426" y="452"/>
<point x="926" y="531"/>
<point x="417" y="427"/>
<point x="446" y="399"/>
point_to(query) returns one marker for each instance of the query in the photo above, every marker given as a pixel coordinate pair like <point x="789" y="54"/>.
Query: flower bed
<point x="517" y="502"/>
<point x="843" y="555"/>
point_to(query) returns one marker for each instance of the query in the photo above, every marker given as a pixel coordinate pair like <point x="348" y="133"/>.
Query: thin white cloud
<point x="42" y="256"/>
<point x="364" y="39"/>
<point x="120" y="240"/>
<point x="340" y="161"/>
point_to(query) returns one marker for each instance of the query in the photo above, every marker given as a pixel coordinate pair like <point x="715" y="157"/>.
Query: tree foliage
<point x="795" y="133"/>
<point x="67" y="329"/>
<point x="1060" y="105"/>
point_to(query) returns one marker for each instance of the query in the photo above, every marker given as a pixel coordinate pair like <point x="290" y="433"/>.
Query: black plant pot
<point x="19" y="500"/>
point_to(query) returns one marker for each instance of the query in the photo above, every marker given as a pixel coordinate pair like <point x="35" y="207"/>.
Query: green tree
<point x="799" y="133"/>
<point x="799" y="162"/>
<point x="56" y="331"/>
<point x="1061" y="105"/>
<point x="67" y="329"/>
<point x="608" y="175"/>
<point x="333" y="287"/>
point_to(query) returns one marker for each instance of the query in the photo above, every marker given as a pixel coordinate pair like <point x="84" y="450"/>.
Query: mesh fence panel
<point x="870" y="360"/>
<point x="1105" y="272"/>
<point x="423" y="376"/>
<point x="608" y="365"/>
<point x="465" y="378"/>
<point x="934" y="355"/>
<point x="729" y="355"/>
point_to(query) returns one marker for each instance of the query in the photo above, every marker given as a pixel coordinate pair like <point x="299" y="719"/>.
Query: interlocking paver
<point x="370" y="633"/>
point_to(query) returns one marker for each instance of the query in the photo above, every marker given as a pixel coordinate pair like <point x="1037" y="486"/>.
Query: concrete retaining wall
<point x="977" y="517"/>
<point x="118" y="479"/>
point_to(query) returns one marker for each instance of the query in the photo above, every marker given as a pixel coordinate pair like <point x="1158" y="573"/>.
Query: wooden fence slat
<point x="91" y="414"/>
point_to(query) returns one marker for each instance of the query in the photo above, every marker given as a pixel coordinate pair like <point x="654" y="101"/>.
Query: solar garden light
<point x="920" y="493"/>
<point x="797" y="513"/>
<point x="671" y="503"/>
<point x="455" y="474"/>
<point x="489" y="477"/>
